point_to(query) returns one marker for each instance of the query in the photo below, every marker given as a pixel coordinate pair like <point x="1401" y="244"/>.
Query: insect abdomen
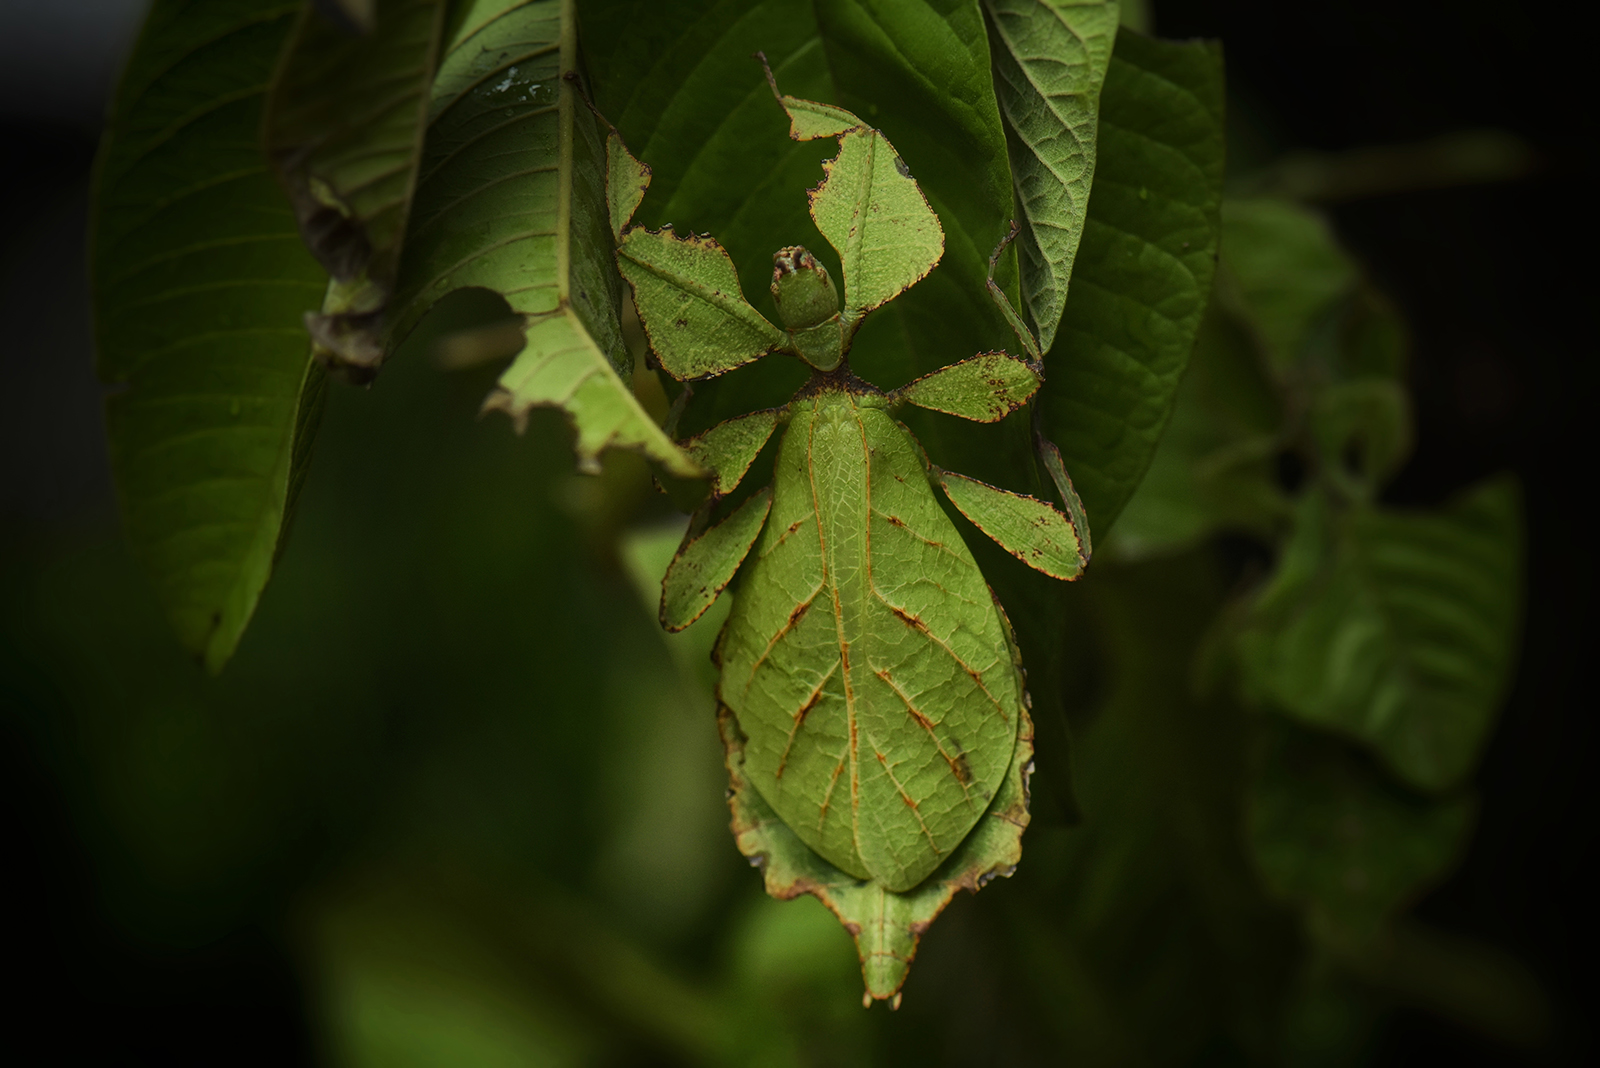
<point x="864" y="658"/>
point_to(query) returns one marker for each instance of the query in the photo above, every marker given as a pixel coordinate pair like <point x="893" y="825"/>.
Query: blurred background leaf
<point x="1395" y="628"/>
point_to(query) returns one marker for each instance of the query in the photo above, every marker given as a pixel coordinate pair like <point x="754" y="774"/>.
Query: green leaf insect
<point x="872" y="696"/>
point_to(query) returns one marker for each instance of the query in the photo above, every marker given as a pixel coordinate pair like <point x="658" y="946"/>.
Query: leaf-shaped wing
<point x="200" y="282"/>
<point x="512" y="197"/>
<point x="865" y="658"/>
<point x="1050" y="59"/>
<point x="1027" y="528"/>
<point x="985" y="389"/>
<point x="344" y="129"/>
<point x="886" y="925"/>
<point x="690" y="303"/>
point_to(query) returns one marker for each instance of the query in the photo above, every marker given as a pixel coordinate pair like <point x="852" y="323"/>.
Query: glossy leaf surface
<point x="200" y="283"/>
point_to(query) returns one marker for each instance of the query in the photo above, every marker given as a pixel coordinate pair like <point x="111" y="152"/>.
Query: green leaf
<point x="1362" y="431"/>
<point x="728" y="449"/>
<point x="706" y="564"/>
<point x="344" y="129"/>
<point x="1050" y="59"/>
<point x="1031" y="530"/>
<point x="511" y="197"/>
<point x="1327" y="831"/>
<point x="689" y="300"/>
<point x="986" y="388"/>
<point x="1143" y="272"/>
<point x="1394" y="628"/>
<point x="200" y="282"/>
<point x="886" y="925"/>
<point x="865" y="659"/>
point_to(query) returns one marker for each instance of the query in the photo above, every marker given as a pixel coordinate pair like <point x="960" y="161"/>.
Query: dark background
<point x="1482" y="273"/>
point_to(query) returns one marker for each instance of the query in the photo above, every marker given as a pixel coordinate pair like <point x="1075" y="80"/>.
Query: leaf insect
<point x="870" y="687"/>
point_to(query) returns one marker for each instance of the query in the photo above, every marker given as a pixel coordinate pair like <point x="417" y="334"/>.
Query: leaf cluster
<point x="1267" y="769"/>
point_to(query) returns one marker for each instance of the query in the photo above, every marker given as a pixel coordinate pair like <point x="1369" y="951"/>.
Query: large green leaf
<point x="1394" y="628"/>
<point x="200" y="284"/>
<point x="344" y="129"/>
<point x="511" y="197"/>
<point x="1143" y="272"/>
<point x="1050" y="59"/>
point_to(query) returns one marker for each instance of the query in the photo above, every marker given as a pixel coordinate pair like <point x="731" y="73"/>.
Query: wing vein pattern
<point x="907" y="685"/>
